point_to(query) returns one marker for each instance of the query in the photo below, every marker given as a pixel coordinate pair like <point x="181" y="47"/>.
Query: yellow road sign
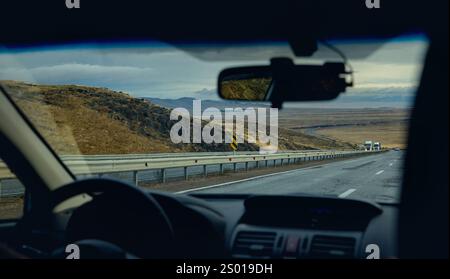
<point x="234" y="143"/>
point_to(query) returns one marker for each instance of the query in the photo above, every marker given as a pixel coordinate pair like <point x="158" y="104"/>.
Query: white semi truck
<point x="377" y="146"/>
<point x="368" y="145"/>
<point x="372" y="146"/>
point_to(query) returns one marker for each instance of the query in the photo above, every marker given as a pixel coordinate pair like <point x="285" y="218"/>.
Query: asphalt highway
<point x="375" y="177"/>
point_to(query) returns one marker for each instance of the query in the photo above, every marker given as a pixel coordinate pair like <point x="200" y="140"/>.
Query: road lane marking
<point x="248" y="179"/>
<point x="380" y="172"/>
<point x="346" y="193"/>
<point x="265" y="175"/>
<point x="391" y="164"/>
<point x="240" y="180"/>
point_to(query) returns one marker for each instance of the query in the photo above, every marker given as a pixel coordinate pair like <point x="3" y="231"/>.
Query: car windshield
<point x="148" y="113"/>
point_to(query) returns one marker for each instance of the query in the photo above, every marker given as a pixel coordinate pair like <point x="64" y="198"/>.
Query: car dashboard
<point x="295" y="227"/>
<point x="234" y="226"/>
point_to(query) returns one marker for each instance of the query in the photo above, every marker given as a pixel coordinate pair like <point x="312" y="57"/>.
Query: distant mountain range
<point x="390" y="97"/>
<point x="187" y="103"/>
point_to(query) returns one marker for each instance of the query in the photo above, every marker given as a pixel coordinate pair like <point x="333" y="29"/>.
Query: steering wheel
<point x="120" y="214"/>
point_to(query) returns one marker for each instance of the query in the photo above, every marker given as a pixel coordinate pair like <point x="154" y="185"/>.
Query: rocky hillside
<point x="90" y="120"/>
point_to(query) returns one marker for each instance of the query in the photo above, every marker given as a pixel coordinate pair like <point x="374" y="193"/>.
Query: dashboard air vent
<point x="332" y="247"/>
<point x="254" y="243"/>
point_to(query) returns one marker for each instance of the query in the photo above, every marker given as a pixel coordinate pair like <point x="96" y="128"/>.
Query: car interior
<point x="110" y="218"/>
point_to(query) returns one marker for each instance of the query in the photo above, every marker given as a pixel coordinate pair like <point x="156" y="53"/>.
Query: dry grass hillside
<point x="90" y="120"/>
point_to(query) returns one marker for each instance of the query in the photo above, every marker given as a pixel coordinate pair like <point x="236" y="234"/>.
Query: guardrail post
<point x="266" y="162"/>
<point x="163" y="175"/>
<point x="186" y="174"/>
<point x="246" y="166"/>
<point x="1" y="189"/>
<point x="274" y="163"/>
<point x="135" y="178"/>
<point x="221" y="168"/>
<point x="282" y="162"/>
<point x="234" y="167"/>
<point x="205" y="171"/>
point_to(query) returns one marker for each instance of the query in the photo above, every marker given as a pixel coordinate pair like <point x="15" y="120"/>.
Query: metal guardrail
<point x="135" y="163"/>
<point x="166" y="155"/>
<point x="181" y="164"/>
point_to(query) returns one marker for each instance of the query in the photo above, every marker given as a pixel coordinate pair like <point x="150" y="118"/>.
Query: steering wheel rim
<point x="94" y="186"/>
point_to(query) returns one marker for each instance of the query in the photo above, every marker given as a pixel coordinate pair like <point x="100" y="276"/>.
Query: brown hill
<point x="90" y="120"/>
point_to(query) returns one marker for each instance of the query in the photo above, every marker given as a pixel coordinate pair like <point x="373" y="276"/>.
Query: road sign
<point x="234" y="143"/>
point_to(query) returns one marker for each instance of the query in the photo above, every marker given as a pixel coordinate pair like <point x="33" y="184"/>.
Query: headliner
<point x="46" y="22"/>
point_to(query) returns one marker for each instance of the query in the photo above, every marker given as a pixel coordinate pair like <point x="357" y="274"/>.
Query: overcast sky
<point x="388" y="77"/>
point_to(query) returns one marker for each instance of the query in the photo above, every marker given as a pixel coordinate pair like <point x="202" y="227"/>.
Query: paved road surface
<point x="375" y="177"/>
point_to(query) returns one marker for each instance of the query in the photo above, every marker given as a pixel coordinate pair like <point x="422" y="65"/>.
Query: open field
<point x="390" y="135"/>
<point x="386" y="125"/>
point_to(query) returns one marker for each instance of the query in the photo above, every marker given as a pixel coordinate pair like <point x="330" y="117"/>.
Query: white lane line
<point x="243" y="180"/>
<point x="380" y="172"/>
<point x="346" y="193"/>
<point x="265" y="175"/>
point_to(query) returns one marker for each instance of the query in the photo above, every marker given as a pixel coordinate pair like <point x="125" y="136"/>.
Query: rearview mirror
<point x="283" y="81"/>
<point x="247" y="83"/>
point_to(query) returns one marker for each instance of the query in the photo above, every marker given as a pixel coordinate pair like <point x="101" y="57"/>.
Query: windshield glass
<point x="148" y="113"/>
